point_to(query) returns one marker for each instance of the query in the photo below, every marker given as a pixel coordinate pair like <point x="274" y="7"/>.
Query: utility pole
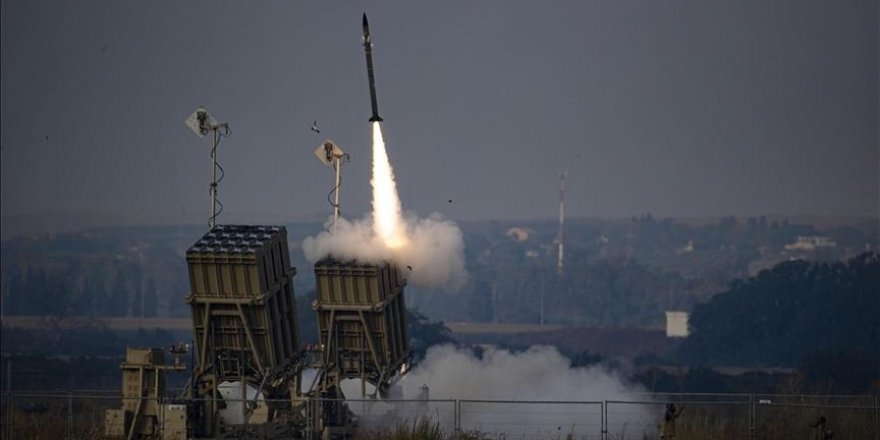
<point x="560" y="236"/>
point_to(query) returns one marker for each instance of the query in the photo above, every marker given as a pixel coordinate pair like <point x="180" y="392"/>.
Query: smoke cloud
<point x="431" y="250"/>
<point x="540" y="373"/>
<point x="432" y="257"/>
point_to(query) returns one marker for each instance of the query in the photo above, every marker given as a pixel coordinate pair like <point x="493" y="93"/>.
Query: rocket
<point x="368" y="49"/>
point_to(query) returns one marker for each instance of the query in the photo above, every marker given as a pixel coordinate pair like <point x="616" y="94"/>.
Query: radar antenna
<point x="201" y="123"/>
<point x="331" y="155"/>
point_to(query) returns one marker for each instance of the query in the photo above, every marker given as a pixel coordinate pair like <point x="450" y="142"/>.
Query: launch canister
<point x="368" y="49"/>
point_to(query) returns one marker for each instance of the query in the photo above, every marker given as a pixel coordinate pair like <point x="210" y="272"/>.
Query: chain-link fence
<point x="375" y="414"/>
<point x="694" y="419"/>
<point x="793" y="417"/>
<point x="511" y="419"/>
<point x="55" y="415"/>
<point x="82" y="415"/>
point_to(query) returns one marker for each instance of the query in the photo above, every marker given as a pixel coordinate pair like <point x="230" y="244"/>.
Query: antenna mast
<point x="560" y="238"/>
<point x="201" y="123"/>
<point x="213" y="220"/>
<point x="331" y="155"/>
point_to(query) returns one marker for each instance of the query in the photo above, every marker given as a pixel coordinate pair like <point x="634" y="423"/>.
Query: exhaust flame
<point x="431" y="249"/>
<point x="388" y="222"/>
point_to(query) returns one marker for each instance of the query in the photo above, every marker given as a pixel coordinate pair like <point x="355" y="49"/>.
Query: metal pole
<point x="161" y="421"/>
<point x="11" y="412"/>
<point x="241" y="343"/>
<point x="141" y="287"/>
<point x="752" y="417"/>
<point x="337" y="163"/>
<point x="213" y="219"/>
<point x="192" y="368"/>
<point x="542" y="300"/>
<point x="876" y="416"/>
<point x="9" y="393"/>
<point x="604" y="419"/>
<point x="560" y="257"/>
<point x="457" y="415"/>
<point x="70" y="415"/>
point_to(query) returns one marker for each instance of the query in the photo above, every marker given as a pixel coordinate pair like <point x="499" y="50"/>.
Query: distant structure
<point x="677" y="324"/>
<point x="519" y="234"/>
<point x="560" y="236"/>
<point x="143" y="413"/>
<point x="686" y="249"/>
<point x="811" y="243"/>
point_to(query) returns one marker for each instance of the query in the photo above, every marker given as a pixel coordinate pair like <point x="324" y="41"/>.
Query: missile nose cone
<point x="366" y="25"/>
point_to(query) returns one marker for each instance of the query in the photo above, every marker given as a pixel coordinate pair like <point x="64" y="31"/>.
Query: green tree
<point x="424" y="334"/>
<point x="151" y="299"/>
<point x="789" y="312"/>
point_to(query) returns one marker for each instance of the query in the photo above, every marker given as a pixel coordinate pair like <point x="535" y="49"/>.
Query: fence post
<point x="876" y="416"/>
<point x="161" y="421"/>
<point x="11" y="413"/>
<point x="604" y="420"/>
<point x="69" y="415"/>
<point x="752" y="417"/>
<point x="457" y="416"/>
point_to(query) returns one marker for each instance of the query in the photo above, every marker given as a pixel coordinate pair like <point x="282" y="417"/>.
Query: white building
<point x="811" y="243"/>
<point x="677" y="324"/>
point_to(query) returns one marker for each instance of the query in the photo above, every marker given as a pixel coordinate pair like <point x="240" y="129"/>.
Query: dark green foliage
<point x="424" y="334"/>
<point x="88" y="339"/>
<point x="584" y="358"/>
<point x="150" y="299"/>
<point x="788" y="313"/>
<point x="85" y="357"/>
<point x="705" y="380"/>
<point x="617" y="273"/>
<point x="623" y="272"/>
<point x="849" y="371"/>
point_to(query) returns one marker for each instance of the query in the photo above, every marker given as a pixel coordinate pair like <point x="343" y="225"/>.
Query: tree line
<point x="788" y="314"/>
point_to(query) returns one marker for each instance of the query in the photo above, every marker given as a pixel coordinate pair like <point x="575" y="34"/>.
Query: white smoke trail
<point x="387" y="219"/>
<point x="430" y="251"/>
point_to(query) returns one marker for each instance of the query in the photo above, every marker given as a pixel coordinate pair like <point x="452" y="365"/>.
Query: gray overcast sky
<point x="680" y="108"/>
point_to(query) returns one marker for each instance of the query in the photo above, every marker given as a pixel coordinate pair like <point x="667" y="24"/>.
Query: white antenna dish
<point x="201" y="122"/>
<point x="328" y="152"/>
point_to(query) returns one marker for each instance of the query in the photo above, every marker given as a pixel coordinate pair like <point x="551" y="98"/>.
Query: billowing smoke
<point x="540" y="373"/>
<point x="432" y="257"/>
<point x="430" y="251"/>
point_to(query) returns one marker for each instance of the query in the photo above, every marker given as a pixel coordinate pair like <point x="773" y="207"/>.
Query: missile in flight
<point x="368" y="49"/>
